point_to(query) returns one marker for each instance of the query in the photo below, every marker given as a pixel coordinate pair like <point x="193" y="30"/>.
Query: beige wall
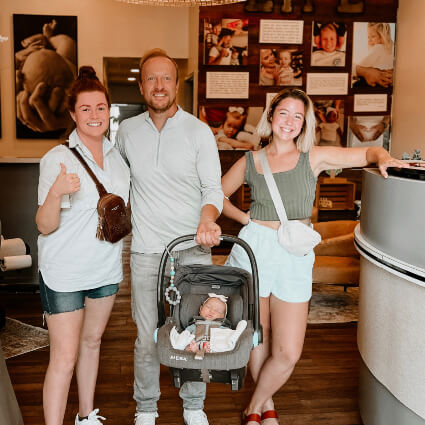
<point x="193" y="51"/>
<point x="408" y="130"/>
<point x="105" y="28"/>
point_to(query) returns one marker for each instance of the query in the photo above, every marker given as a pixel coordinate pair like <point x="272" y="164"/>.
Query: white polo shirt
<point x="71" y="258"/>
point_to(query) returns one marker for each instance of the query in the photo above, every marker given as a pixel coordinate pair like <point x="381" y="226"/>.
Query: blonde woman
<point x="285" y="279"/>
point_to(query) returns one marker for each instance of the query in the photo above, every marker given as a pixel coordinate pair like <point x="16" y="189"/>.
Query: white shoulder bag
<point x="295" y="236"/>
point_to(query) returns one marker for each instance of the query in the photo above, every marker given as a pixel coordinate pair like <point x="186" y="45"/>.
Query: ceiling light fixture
<point x="134" y="70"/>
<point x="181" y="2"/>
<point x="131" y="78"/>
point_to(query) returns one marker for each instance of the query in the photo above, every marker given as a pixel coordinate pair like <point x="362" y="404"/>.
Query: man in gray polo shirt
<point x="175" y="190"/>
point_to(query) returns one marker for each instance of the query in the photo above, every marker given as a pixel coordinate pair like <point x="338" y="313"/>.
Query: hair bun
<point x="87" y="72"/>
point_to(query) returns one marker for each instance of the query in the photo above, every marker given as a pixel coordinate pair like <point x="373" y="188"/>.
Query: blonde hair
<point x="330" y="26"/>
<point x="305" y="140"/>
<point x="384" y="31"/>
<point x="157" y="53"/>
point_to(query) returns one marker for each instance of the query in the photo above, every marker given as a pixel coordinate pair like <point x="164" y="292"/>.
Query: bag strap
<point x="271" y="184"/>
<point x="99" y="186"/>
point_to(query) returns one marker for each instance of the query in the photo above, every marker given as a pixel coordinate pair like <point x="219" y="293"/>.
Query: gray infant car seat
<point x="194" y="282"/>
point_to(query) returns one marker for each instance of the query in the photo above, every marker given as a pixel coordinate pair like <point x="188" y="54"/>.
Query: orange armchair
<point x="337" y="260"/>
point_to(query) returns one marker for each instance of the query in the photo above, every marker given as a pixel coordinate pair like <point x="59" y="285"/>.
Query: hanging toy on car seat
<point x="172" y="299"/>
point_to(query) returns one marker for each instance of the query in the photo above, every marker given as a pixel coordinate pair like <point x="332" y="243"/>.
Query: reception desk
<point x="391" y="329"/>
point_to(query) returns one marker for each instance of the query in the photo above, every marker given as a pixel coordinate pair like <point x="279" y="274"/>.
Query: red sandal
<point x="269" y="414"/>
<point x="253" y="417"/>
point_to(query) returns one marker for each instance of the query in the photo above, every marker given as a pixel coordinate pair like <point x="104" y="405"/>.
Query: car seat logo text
<point x="178" y="358"/>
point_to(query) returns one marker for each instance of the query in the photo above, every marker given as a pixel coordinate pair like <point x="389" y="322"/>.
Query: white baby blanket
<point x="221" y="339"/>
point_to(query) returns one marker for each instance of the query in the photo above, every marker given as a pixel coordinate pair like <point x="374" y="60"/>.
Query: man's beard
<point x="162" y="109"/>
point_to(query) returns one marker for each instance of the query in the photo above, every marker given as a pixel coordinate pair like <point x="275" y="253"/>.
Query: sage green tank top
<point x="297" y="188"/>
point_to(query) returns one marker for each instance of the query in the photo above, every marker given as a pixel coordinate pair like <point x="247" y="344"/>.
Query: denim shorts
<point x="286" y="276"/>
<point x="54" y="302"/>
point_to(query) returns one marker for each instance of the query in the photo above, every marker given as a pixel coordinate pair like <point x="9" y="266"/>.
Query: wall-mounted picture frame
<point x="373" y="54"/>
<point x="45" y="48"/>
<point x="328" y="44"/>
<point x="281" y="67"/>
<point x="233" y="126"/>
<point x="226" y="41"/>
<point x="369" y="130"/>
<point x="329" y="122"/>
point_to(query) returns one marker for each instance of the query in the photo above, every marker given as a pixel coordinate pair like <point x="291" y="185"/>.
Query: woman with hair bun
<point x="79" y="274"/>
<point x="285" y="278"/>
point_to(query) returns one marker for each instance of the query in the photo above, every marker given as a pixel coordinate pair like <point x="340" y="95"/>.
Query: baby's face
<point x="285" y="58"/>
<point x="373" y="37"/>
<point x="235" y="55"/>
<point x="213" y="309"/>
<point x="331" y="116"/>
<point x="231" y="126"/>
<point x="328" y="39"/>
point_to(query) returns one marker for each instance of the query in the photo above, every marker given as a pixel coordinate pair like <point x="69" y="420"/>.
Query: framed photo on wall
<point x="45" y="48"/>
<point x="373" y="54"/>
<point x="328" y="45"/>
<point x="226" y="41"/>
<point x="233" y="126"/>
<point x="329" y="122"/>
<point x="365" y="131"/>
<point x="281" y="67"/>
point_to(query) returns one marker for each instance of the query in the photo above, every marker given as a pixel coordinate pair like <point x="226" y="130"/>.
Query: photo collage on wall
<point x="345" y="66"/>
<point x="45" y="50"/>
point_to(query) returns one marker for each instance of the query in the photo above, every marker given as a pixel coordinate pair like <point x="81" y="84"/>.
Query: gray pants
<point x="144" y="276"/>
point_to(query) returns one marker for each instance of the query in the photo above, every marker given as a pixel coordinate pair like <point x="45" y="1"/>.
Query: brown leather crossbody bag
<point x="114" y="218"/>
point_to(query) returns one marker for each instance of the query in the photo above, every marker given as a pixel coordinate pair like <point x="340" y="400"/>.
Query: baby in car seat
<point x="196" y="338"/>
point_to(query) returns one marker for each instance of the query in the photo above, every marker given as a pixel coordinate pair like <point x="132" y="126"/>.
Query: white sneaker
<point x="93" y="419"/>
<point x="195" y="417"/>
<point x="145" y="418"/>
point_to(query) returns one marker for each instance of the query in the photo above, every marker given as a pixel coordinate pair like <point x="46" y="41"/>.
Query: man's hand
<point x="374" y="76"/>
<point x="208" y="233"/>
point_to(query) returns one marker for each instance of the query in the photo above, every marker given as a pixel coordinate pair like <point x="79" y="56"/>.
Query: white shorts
<point x="286" y="276"/>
